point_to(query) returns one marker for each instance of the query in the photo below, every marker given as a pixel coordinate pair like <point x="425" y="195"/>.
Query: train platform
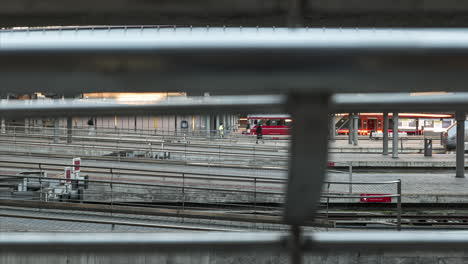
<point x="413" y="144"/>
<point x="417" y="188"/>
<point x="404" y="161"/>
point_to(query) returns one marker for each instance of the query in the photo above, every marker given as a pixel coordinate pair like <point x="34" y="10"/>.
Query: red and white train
<point x="411" y="123"/>
<point x="271" y="124"/>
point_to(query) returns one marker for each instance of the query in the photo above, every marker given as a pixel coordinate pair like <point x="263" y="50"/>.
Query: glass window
<point x="184" y="124"/>
<point x="446" y="123"/>
<point x="428" y="123"/>
<point x="412" y="123"/>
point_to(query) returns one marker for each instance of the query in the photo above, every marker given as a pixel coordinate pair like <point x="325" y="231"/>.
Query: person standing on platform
<point x="259" y="133"/>
<point x="92" y="130"/>
<point x="221" y="130"/>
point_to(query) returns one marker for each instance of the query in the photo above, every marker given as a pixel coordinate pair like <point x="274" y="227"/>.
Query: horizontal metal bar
<point x="212" y="39"/>
<point x="375" y="102"/>
<point x="237" y="241"/>
<point x="178" y="105"/>
<point x="233" y="60"/>
<point x="362" y="183"/>
<point x="385" y="102"/>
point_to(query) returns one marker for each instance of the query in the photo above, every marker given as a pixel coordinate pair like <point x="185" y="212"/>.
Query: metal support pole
<point x="69" y="130"/>
<point x="208" y="125"/>
<point x="460" y="151"/>
<point x="399" y="205"/>
<point x="309" y="156"/>
<point x="332" y="127"/>
<point x="385" y="134"/>
<point x="26" y="126"/>
<point x="3" y="126"/>
<point x="355" y="129"/>
<point x="395" y="136"/>
<point x="56" y="130"/>
<point x="296" y="245"/>
<point x="350" y="174"/>
<point x="350" y="128"/>
<point x="218" y="117"/>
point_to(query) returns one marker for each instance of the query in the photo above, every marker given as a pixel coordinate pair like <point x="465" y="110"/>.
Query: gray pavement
<point x="403" y="160"/>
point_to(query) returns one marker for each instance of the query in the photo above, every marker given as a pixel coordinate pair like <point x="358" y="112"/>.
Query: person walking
<point x="259" y="133"/>
<point x="221" y="130"/>
<point x="92" y="130"/>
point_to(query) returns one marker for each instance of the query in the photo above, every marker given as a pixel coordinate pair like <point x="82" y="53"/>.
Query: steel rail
<point x="153" y="139"/>
<point x="169" y="212"/>
<point x="118" y="169"/>
<point x="187" y="186"/>
<point x="202" y="163"/>
<point x="182" y="152"/>
<point x="114" y="222"/>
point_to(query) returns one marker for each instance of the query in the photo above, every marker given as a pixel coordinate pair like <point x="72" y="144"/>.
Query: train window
<point x="446" y="123"/>
<point x="184" y="124"/>
<point x="428" y="123"/>
<point x="288" y="122"/>
<point x="268" y="122"/>
<point x="274" y="122"/>
<point x="412" y="123"/>
<point x="281" y="122"/>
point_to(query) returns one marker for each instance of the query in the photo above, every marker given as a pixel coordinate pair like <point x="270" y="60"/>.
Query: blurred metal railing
<point x="308" y="65"/>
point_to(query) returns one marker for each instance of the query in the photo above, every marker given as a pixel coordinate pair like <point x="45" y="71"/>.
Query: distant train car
<point x="271" y="124"/>
<point x="411" y="123"/>
<point x="449" y="138"/>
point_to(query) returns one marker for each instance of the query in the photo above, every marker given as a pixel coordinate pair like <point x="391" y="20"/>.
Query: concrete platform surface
<point x="403" y="160"/>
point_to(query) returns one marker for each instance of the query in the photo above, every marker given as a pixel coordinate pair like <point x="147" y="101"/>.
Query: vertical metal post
<point x="95" y="126"/>
<point x="460" y="150"/>
<point x="112" y="193"/>
<point x="56" y="130"/>
<point x="3" y="129"/>
<point x="385" y="134"/>
<point x="26" y="126"/>
<point x="208" y="126"/>
<point x="332" y="127"/>
<point x="350" y="177"/>
<point x="395" y="136"/>
<point x="135" y="126"/>
<point x="183" y="191"/>
<point x="309" y="156"/>
<point x="399" y="205"/>
<point x="350" y="128"/>
<point x="69" y="130"/>
<point x="295" y="245"/>
<point x="255" y="195"/>
<point x="217" y="124"/>
<point x="356" y="129"/>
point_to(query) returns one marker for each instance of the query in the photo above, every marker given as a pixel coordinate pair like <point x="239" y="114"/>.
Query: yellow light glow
<point x="132" y="98"/>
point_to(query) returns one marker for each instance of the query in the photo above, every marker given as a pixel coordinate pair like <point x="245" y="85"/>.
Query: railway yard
<point x="136" y="182"/>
